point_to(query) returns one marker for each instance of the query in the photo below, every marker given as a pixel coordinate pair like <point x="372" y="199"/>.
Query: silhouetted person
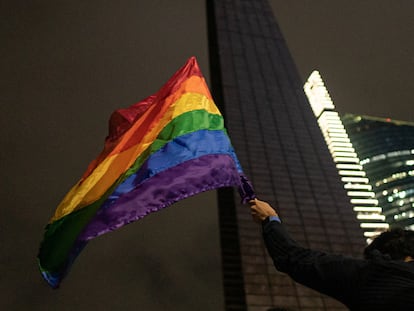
<point x="384" y="280"/>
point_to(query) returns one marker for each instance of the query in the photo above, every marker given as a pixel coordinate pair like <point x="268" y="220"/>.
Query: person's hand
<point x="260" y="210"/>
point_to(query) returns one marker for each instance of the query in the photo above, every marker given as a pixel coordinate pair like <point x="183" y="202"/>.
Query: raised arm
<point x="334" y="275"/>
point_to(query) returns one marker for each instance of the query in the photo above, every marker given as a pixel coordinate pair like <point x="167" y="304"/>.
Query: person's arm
<point x="333" y="275"/>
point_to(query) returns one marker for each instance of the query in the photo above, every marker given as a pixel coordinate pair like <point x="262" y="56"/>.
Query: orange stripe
<point x="194" y="84"/>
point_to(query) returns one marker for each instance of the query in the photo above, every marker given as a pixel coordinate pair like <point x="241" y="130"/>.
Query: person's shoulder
<point x="406" y="266"/>
<point x="392" y="267"/>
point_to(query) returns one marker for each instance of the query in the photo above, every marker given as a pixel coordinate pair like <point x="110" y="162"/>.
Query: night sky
<point x="66" y="65"/>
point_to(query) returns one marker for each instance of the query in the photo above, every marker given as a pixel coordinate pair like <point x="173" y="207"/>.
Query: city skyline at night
<point x="375" y="158"/>
<point x="67" y="65"/>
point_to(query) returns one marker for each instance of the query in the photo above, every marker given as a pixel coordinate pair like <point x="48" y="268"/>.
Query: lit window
<point x="374" y="225"/>
<point x="370" y="209"/>
<point x="361" y="194"/>
<point x="371" y="216"/>
<point x="351" y="173"/>
<point x="355" y="179"/>
<point x="364" y="201"/>
<point x="346" y="159"/>
<point x="349" y="166"/>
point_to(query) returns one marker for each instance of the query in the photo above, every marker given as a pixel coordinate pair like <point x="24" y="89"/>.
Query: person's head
<point x="396" y="243"/>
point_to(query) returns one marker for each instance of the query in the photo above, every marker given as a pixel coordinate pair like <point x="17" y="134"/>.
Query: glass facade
<point x="386" y="150"/>
<point x="279" y="143"/>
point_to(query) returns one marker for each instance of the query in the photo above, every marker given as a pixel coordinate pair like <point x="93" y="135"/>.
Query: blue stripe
<point x="179" y="150"/>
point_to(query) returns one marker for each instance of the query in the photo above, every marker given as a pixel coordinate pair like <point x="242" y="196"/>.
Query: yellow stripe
<point x="107" y="172"/>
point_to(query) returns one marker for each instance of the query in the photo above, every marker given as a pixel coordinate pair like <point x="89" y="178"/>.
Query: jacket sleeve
<point x="333" y="275"/>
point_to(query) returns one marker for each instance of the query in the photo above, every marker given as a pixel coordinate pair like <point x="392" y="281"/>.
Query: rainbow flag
<point x="168" y="147"/>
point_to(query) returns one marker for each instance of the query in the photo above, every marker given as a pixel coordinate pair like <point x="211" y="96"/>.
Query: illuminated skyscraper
<point x="356" y="183"/>
<point x="386" y="150"/>
<point x="375" y="158"/>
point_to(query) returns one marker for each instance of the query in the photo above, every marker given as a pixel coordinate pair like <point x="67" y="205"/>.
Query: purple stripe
<point x="181" y="149"/>
<point x="177" y="183"/>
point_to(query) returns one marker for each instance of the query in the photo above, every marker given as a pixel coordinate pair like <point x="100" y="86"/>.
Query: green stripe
<point x="61" y="235"/>
<point x="186" y="123"/>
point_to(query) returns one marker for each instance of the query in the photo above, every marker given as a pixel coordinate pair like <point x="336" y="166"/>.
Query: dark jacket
<point x="375" y="284"/>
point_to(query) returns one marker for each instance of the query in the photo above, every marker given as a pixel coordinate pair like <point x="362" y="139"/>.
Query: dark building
<point x="386" y="150"/>
<point x="280" y="145"/>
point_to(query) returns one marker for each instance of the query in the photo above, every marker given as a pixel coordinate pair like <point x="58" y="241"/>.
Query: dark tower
<point x="386" y="150"/>
<point x="278" y="141"/>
